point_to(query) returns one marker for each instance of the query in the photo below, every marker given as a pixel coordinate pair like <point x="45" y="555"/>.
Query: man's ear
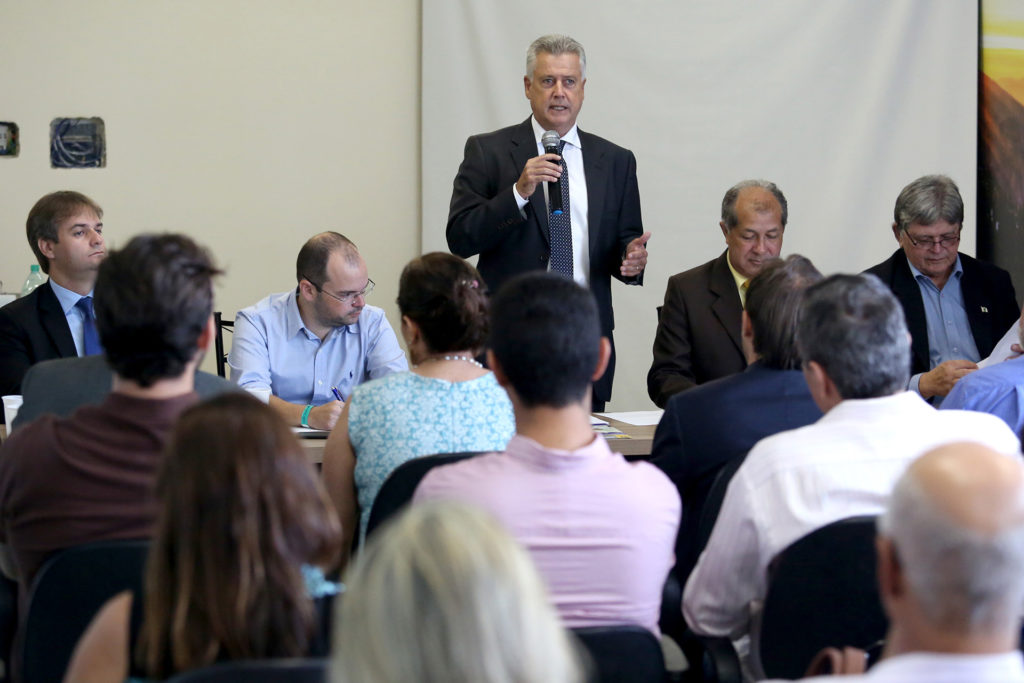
<point x="725" y="230"/>
<point x="46" y="246"/>
<point x="306" y="290"/>
<point x="604" y="355"/>
<point x="896" y="231"/>
<point x="208" y="334"/>
<point x="891" y="583"/>
<point x="526" y="86"/>
<point x="747" y="337"/>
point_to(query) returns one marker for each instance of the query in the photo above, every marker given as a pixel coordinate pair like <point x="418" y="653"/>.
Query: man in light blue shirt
<point x="313" y="345"/>
<point x="65" y="231"/>
<point x="956" y="307"/>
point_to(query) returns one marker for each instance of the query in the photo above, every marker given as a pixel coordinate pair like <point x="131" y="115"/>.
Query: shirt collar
<point x="740" y="280"/>
<point x="295" y="325"/>
<point x="571" y="138"/>
<point x="66" y="297"/>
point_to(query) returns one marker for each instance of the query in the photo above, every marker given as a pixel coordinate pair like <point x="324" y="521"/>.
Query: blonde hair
<point x="444" y="594"/>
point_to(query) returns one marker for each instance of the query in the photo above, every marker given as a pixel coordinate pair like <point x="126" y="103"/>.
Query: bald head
<point x="312" y="261"/>
<point x="956" y="524"/>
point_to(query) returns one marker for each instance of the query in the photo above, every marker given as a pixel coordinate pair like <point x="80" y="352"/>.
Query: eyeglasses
<point x="923" y="243"/>
<point x="346" y="297"/>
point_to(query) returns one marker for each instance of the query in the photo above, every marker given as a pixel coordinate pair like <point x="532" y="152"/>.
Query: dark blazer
<point x="989" y="299"/>
<point x="483" y="217"/>
<point x="63" y="385"/>
<point x="712" y="425"/>
<point x="32" y="329"/>
<point x="698" y="337"/>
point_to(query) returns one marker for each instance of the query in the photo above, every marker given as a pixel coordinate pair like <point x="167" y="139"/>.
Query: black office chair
<point x="822" y="591"/>
<point x="312" y="670"/>
<point x="401" y="484"/>
<point x="222" y="325"/>
<point x="622" y="653"/>
<point x="65" y="595"/>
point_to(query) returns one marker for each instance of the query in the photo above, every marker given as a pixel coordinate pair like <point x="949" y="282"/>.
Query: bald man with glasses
<point x="957" y="308"/>
<point x="313" y="345"/>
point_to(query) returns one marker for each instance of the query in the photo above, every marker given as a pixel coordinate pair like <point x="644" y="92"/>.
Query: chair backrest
<point x="401" y="484"/>
<point x="220" y="324"/>
<point x="65" y="595"/>
<point x="623" y="653"/>
<point x="822" y="591"/>
<point x="312" y="670"/>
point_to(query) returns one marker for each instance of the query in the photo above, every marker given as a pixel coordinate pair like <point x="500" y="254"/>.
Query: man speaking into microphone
<point x="522" y="204"/>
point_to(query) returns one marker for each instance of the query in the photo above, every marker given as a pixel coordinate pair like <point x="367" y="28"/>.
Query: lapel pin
<point x="984" y="310"/>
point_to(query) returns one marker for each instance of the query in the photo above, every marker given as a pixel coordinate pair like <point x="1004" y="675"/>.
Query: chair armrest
<point x="712" y="659"/>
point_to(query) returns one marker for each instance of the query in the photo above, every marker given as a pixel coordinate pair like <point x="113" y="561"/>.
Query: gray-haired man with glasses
<point x="311" y="346"/>
<point x="957" y="308"/>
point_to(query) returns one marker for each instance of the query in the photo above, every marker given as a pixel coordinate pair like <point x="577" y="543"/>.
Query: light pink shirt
<point x="601" y="530"/>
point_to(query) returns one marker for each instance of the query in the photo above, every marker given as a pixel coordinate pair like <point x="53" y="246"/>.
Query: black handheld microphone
<point x="550" y="140"/>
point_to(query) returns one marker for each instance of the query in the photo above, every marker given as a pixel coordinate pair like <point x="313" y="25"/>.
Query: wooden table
<point x="636" y="447"/>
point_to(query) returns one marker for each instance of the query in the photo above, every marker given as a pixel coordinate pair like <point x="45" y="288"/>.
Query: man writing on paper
<point x="502" y="206"/>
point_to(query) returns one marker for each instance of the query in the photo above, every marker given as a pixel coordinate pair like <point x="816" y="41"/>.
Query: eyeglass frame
<point x="347" y="296"/>
<point x="944" y="242"/>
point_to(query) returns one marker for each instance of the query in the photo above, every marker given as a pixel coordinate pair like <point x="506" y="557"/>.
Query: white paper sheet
<point x="636" y="417"/>
<point x="1002" y="350"/>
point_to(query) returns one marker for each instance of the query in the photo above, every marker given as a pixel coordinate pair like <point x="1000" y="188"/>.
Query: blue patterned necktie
<point x="559" y="228"/>
<point x="90" y="339"/>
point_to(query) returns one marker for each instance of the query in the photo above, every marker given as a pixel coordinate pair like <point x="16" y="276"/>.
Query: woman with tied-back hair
<point x="447" y="402"/>
<point x="234" y="570"/>
<point x="443" y="594"/>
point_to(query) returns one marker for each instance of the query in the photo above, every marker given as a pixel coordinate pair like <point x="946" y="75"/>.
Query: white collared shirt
<point x="572" y="152"/>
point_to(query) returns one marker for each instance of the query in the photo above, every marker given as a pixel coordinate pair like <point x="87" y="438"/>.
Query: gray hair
<point x="853" y="327"/>
<point x="729" y="216"/>
<point x="964" y="580"/>
<point x="443" y="593"/>
<point x="555" y="44"/>
<point x="928" y="200"/>
<point x="773" y="303"/>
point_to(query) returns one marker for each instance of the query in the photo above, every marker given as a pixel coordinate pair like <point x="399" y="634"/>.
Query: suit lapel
<point x="726" y="306"/>
<point x="54" y="322"/>
<point x="524" y="148"/>
<point x="908" y="292"/>
<point x="978" y="308"/>
<point x="595" y="168"/>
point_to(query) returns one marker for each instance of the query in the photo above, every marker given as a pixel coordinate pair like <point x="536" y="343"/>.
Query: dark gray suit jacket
<point x="484" y="219"/>
<point x="32" y="329"/>
<point x="60" y="386"/>
<point x="698" y="337"/>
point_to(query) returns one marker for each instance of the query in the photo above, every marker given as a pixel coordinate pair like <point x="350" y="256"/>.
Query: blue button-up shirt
<point x="997" y="389"/>
<point x="272" y="349"/>
<point x="949" y="331"/>
<point x="76" y="321"/>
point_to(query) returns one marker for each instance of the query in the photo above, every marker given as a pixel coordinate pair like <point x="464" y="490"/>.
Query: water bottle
<point x="34" y="279"/>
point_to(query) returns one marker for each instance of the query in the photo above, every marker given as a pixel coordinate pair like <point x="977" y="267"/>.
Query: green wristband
<point x="305" y="417"/>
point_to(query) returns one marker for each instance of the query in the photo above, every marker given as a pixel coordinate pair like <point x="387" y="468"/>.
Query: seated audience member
<point x="601" y="530"/>
<point x="89" y="477"/>
<point x="313" y="345"/>
<point x="997" y="389"/>
<point x="957" y="308"/>
<point x="950" y="552"/>
<point x="712" y="425"/>
<point x="698" y="337"/>
<point x="56" y="320"/>
<point x="242" y="535"/>
<point x="447" y="403"/>
<point x="856" y="356"/>
<point x="443" y="593"/>
<point x="85" y="381"/>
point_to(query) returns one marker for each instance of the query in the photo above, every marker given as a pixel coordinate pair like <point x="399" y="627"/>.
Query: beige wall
<point x="248" y="125"/>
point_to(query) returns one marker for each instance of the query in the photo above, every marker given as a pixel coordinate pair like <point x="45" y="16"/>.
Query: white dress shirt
<point x="937" y="667"/>
<point x="794" y="482"/>
<point x="572" y="152"/>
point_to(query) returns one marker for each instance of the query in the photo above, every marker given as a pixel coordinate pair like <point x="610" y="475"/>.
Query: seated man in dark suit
<point x="63" y="385"/>
<point x="715" y="424"/>
<point x="56" y="320"/>
<point x="89" y="477"/>
<point x="957" y="308"/>
<point x="698" y="336"/>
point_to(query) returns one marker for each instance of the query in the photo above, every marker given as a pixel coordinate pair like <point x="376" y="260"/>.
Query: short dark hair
<point x="311" y="263"/>
<point x="153" y="299"/>
<point x="446" y="297"/>
<point x="546" y="335"/>
<point x="853" y="327"/>
<point x="773" y="304"/>
<point x="46" y="216"/>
